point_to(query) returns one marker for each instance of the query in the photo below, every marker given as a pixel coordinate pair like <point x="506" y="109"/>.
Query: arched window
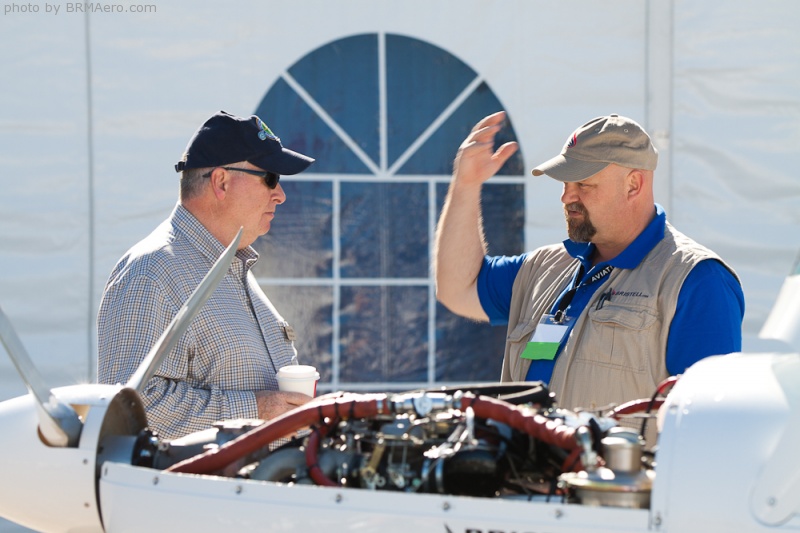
<point x="347" y="261"/>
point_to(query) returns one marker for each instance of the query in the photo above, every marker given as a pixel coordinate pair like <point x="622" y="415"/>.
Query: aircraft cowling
<point x="53" y="489"/>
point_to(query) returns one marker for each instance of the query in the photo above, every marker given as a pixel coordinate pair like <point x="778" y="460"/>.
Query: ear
<point x="220" y="182"/>
<point x="634" y="183"/>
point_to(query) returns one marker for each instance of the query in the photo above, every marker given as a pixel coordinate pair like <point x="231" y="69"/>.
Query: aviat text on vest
<point x="629" y="294"/>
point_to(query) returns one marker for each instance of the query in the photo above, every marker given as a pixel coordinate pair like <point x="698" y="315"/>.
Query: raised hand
<point x="477" y="160"/>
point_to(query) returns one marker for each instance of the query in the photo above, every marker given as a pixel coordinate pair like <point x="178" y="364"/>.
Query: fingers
<point x="505" y="152"/>
<point x="477" y="160"/>
<point x="483" y="133"/>
<point x="491" y="120"/>
<point x="482" y="136"/>
<point x="493" y="159"/>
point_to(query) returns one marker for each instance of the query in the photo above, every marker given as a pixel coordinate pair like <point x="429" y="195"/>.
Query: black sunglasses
<point x="270" y="178"/>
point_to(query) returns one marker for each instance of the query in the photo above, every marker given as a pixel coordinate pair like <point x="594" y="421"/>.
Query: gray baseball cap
<point x="598" y="143"/>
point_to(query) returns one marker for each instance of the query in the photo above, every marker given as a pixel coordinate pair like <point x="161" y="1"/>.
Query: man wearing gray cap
<point x="625" y="302"/>
<point x="224" y="365"/>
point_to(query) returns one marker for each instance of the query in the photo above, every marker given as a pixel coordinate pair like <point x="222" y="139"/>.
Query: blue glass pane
<point x="342" y="78"/>
<point x="503" y="208"/>
<point x="421" y="81"/>
<point x="384" y="230"/>
<point x="313" y="324"/>
<point x="467" y="350"/>
<point x="302" y="130"/>
<point x="437" y="154"/>
<point x="384" y="334"/>
<point x="300" y="240"/>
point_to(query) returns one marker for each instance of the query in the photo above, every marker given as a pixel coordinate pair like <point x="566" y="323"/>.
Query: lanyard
<point x="566" y="298"/>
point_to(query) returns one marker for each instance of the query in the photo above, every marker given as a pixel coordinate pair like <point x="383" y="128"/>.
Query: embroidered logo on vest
<point x="630" y="294"/>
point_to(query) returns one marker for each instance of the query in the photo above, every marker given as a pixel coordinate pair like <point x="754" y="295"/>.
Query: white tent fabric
<point x="97" y="107"/>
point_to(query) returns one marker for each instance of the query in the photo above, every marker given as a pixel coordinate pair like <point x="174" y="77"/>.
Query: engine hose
<point x="346" y="406"/>
<point x="312" y="449"/>
<point x="573" y="461"/>
<point x="660" y="390"/>
<point x="548" y="430"/>
<point x="635" y="406"/>
<point x="667" y="383"/>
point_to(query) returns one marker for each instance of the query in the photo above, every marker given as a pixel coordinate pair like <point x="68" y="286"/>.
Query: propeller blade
<point x="58" y="422"/>
<point x="183" y="318"/>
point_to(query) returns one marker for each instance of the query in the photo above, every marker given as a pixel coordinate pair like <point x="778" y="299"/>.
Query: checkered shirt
<point x="233" y="346"/>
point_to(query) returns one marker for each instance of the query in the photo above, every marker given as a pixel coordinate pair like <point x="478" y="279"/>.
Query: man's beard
<point x="579" y="231"/>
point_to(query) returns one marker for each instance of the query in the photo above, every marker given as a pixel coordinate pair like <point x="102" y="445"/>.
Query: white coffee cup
<point x="298" y="378"/>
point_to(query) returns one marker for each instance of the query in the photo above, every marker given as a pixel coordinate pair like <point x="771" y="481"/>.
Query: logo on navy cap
<point x="265" y="131"/>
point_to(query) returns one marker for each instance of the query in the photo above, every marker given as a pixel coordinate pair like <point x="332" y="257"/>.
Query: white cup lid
<point x="298" y="372"/>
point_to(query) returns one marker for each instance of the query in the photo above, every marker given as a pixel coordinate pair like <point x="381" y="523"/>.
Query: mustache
<point x="575" y="206"/>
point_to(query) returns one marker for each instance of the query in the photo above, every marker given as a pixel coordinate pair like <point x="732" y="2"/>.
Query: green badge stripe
<point x="540" y="351"/>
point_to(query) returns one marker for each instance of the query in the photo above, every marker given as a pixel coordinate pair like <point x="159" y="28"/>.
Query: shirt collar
<point x="185" y="222"/>
<point x="630" y="256"/>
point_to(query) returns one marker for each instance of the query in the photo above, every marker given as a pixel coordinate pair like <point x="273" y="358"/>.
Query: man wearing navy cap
<point x="224" y="365"/>
<point x="624" y="302"/>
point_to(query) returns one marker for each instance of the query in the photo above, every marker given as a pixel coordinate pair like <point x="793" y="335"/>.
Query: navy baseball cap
<point x="224" y="139"/>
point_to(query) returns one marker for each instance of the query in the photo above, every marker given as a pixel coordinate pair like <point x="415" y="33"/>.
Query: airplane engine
<point x="498" y="440"/>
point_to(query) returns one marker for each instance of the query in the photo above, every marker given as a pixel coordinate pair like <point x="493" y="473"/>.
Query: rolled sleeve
<point x="495" y="281"/>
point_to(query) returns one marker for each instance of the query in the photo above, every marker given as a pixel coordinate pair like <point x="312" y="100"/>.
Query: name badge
<point x="288" y="332"/>
<point x="546" y="338"/>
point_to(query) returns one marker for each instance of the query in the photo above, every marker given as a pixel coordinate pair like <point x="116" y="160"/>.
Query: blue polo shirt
<point x="708" y="317"/>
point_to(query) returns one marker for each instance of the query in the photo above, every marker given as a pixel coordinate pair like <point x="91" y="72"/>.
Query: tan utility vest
<point x="616" y="353"/>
